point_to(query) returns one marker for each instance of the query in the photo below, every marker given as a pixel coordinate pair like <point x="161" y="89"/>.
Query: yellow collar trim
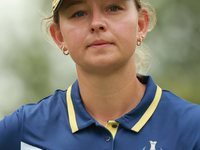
<point x="71" y="112"/>
<point x="137" y="127"/>
<point x="149" y="112"/>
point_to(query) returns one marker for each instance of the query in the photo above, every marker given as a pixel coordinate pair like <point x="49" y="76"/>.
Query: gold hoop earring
<point x="64" y="50"/>
<point x="140" y="41"/>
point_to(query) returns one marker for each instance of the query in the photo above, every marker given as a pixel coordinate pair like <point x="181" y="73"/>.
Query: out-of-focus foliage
<point x="31" y="68"/>
<point x="175" y="45"/>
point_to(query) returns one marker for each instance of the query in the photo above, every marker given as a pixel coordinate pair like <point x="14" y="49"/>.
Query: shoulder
<point x="177" y="103"/>
<point x="45" y="110"/>
<point x="51" y="102"/>
<point x="181" y="111"/>
<point x="47" y="103"/>
<point x="30" y="117"/>
<point x="179" y="119"/>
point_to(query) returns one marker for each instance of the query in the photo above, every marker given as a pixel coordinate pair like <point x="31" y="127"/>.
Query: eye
<point x="114" y="8"/>
<point x="79" y="14"/>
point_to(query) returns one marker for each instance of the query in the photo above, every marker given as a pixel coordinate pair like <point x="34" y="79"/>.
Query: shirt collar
<point x="78" y="116"/>
<point x="134" y="120"/>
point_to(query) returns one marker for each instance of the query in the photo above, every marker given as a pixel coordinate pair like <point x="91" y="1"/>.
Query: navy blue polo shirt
<point x="161" y="120"/>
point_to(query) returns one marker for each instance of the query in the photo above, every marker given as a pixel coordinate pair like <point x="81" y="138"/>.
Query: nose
<point x="98" y="23"/>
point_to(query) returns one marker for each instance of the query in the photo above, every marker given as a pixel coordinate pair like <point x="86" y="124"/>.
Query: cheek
<point x="127" y="33"/>
<point x="128" y="29"/>
<point x="73" y="38"/>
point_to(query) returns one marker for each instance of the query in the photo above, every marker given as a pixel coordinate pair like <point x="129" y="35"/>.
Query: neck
<point x="110" y="96"/>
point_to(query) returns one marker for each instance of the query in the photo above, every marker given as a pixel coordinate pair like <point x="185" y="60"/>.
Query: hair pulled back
<point x="142" y="53"/>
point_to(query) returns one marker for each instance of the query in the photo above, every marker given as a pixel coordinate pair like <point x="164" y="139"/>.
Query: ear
<point x="56" y="34"/>
<point x="143" y="22"/>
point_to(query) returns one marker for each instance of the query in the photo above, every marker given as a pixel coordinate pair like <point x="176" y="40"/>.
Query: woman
<point x="110" y="106"/>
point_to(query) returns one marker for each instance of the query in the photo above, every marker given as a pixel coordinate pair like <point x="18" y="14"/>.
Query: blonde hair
<point x="142" y="53"/>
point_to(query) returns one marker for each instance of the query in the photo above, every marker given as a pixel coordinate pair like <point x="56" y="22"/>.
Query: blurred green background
<point x="31" y="68"/>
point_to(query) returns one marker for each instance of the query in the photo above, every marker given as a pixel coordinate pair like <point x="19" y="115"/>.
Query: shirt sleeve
<point x="10" y="131"/>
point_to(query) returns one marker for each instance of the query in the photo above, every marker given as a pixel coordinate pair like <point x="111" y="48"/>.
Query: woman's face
<point x="99" y="34"/>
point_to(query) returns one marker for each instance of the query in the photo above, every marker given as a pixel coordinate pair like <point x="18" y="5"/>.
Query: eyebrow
<point x="72" y="3"/>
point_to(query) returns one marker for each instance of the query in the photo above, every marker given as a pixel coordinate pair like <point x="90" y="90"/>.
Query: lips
<point x="99" y="44"/>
